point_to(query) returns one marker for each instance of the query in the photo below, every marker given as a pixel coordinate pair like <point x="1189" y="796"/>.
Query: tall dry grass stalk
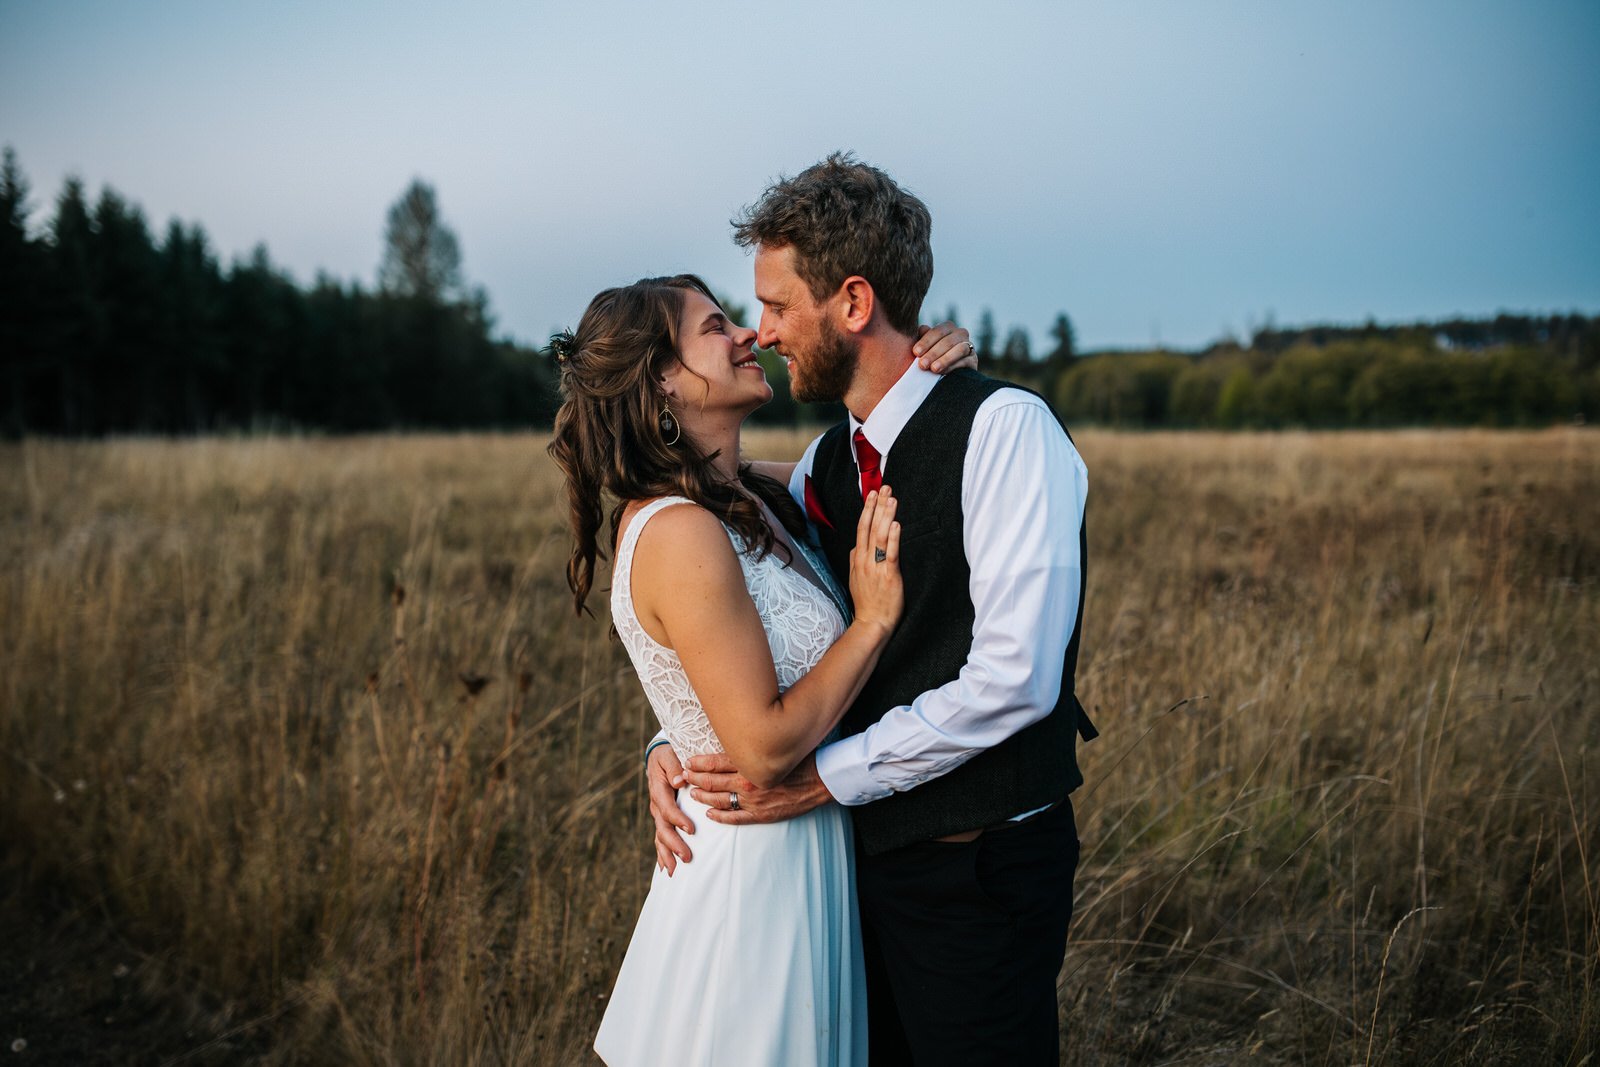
<point x="314" y="722"/>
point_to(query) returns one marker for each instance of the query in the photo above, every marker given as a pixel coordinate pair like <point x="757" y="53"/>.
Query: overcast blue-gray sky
<point x="1160" y="171"/>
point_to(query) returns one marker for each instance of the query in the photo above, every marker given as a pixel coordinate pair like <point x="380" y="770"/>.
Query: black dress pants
<point x="964" y="941"/>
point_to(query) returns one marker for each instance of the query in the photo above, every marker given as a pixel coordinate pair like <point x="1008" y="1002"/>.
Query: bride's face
<point x="718" y="372"/>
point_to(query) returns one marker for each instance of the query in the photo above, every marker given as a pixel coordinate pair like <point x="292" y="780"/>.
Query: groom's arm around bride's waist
<point x="1024" y="488"/>
<point x="1023" y="493"/>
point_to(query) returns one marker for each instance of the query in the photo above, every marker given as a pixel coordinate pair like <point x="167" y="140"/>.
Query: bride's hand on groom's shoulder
<point x="714" y="781"/>
<point x="945" y="347"/>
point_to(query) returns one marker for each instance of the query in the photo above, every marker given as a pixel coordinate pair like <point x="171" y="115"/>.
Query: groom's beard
<point x="826" y="372"/>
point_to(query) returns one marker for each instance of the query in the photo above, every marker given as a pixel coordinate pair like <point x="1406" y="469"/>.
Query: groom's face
<point x="820" y="358"/>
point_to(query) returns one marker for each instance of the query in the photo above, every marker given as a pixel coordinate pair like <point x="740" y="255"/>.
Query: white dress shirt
<point x="1023" y="487"/>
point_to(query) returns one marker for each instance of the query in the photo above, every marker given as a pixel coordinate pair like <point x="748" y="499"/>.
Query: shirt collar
<point x="901" y="402"/>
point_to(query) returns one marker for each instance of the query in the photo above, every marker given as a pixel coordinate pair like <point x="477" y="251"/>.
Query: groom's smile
<point x="820" y="360"/>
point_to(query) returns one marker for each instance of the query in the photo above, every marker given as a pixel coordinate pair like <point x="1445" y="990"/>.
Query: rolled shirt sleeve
<point x="1022" y="497"/>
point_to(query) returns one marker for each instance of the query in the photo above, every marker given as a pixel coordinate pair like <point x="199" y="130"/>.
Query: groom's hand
<point x="715" y="781"/>
<point x="664" y="774"/>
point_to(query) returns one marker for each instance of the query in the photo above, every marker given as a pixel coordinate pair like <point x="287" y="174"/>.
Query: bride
<point x="751" y="954"/>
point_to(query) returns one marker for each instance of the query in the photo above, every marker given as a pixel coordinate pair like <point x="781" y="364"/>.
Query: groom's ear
<point x="856" y="303"/>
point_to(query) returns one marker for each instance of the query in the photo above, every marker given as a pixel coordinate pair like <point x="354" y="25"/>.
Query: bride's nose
<point x="745" y="338"/>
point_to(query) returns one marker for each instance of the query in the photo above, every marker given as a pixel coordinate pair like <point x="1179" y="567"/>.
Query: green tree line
<point x="1537" y="371"/>
<point x="107" y="328"/>
<point x="1509" y="370"/>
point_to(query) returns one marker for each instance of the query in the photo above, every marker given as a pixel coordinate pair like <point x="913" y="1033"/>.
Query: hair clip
<point x="562" y="347"/>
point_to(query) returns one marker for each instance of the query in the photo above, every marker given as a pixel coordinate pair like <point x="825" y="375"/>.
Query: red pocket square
<point x="814" y="510"/>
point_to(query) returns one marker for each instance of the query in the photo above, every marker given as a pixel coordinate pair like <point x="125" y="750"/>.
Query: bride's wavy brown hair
<point x="608" y="440"/>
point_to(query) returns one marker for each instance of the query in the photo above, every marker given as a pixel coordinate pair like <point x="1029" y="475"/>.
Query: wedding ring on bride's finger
<point x="879" y="555"/>
<point x="733" y="801"/>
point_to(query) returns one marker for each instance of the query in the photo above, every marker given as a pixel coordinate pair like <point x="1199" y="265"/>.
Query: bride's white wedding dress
<point x="751" y="953"/>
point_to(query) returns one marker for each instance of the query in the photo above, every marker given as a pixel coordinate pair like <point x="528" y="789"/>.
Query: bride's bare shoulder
<point x="682" y="526"/>
<point x="683" y="558"/>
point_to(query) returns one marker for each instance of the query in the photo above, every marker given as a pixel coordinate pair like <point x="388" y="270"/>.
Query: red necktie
<point x="867" y="459"/>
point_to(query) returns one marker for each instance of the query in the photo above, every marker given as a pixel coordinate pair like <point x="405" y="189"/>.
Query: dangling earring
<point x="669" y="424"/>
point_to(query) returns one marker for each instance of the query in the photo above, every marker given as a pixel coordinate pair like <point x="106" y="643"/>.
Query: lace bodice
<point x="799" y="619"/>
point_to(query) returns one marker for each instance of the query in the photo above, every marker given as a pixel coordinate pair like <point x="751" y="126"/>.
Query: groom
<point x="958" y="756"/>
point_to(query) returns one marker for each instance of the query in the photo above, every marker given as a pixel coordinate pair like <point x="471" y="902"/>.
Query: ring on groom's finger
<point x="879" y="555"/>
<point x="733" y="801"/>
<point x="972" y="349"/>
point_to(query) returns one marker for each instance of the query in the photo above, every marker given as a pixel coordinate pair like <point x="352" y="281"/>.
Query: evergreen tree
<point x="985" y="337"/>
<point x="13" y="203"/>
<point x="78" y="328"/>
<point x="20" y="269"/>
<point x="190" y="329"/>
<point x="421" y="257"/>
<point x="262" y="307"/>
<point x="132" y="368"/>
<point x="1065" y="350"/>
<point x="1017" y="353"/>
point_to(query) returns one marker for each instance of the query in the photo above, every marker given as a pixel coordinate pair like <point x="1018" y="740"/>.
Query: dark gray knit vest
<point x="1030" y="769"/>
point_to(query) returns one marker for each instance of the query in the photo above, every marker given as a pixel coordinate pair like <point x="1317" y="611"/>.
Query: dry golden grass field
<point x="310" y="724"/>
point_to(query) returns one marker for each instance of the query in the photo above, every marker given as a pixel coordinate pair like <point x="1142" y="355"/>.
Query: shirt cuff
<point x="842" y="766"/>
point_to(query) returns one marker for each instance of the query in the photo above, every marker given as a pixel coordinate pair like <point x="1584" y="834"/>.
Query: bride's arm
<point x="687" y="580"/>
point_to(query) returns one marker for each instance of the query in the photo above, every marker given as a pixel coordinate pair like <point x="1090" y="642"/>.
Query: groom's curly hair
<point x="843" y="218"/>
